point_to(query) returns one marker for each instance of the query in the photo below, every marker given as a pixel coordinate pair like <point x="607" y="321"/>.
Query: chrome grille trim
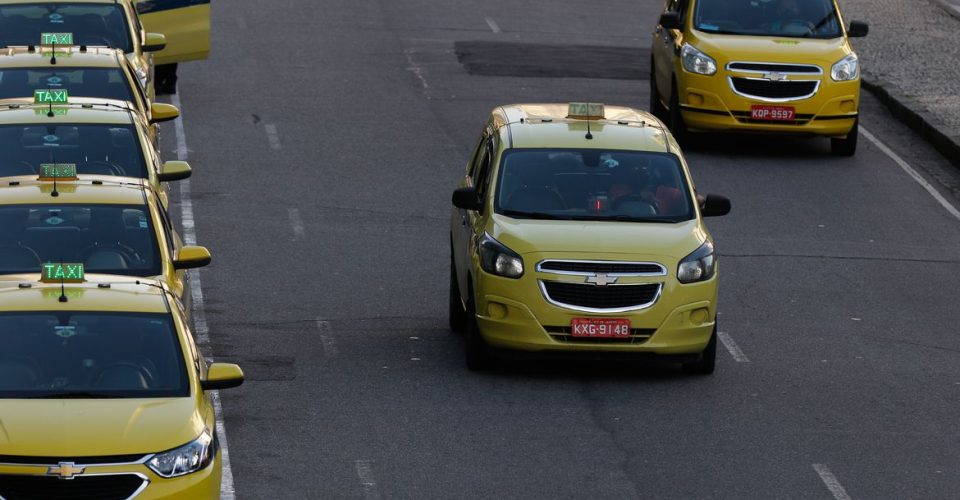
<point x="733" y="87"/>
<point x="744" y="67"/>
<point x="540" y="269"/>
<point x="637" y="307"/>
<point x="757" y="70"/>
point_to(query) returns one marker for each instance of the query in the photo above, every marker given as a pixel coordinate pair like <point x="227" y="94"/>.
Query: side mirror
<point x="671" y="21"/>
<point x="858" y="29"/>
<point x="466" y="198"/>
<point x="715" y="206"/>
<point x="154" y="42"/>
<point x="192" y="258"/>
<point x="174" y="171"/>
<point x="160" y="112"/>
<point x="222" y="376"/>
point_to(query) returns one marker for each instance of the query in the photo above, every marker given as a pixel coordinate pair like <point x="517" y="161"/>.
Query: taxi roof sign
<point x="56" y="39"/>
<point x="51" y="96"/>
<point x="58" y="172"/>
<point x="586" y="111"/>
<point x="61" y="273"/>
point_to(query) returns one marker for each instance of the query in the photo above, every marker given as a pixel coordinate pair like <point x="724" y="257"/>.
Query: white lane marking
<point x="831" y="482"/>
<point x="201" y="329"/>
<point x="494" y="27"/>
<point x="912" y="173"/>
<point x="327" y="341"/>
<point x="296" y="222"/>
<point x="272" y="136"/>
<point x="416" y="69"/>
<point x="365" y="472"/>
<point x="732" y="346"/>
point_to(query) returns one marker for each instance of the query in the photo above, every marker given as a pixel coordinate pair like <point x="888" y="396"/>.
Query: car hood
<point x="84" y="428"/>
<point x="727" y="48"/>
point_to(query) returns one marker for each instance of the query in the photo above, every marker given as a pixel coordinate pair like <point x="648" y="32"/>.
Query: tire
<point x="708" y="359"/>
<point x="848" y="145"/>
<point x="478" y="356"/>
<point x="456" y="315"/>
<point x="656" y="107"/>
<point x="677" y="127"/>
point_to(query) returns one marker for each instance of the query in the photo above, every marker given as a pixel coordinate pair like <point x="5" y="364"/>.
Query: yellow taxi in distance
<point x="173" y="30"/>
<point x="767" y="66"/>
<point x="112" y="229"/>
<point x="90" y="76"/>
<point x="578" y="228"/>
<point x="103" y="392"/>
<point x="100" y="140"/>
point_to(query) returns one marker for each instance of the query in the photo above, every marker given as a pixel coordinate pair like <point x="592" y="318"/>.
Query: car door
<point x="463" y="233"/>
<point x="185" y="24"/>
<point x="666" y="49"/>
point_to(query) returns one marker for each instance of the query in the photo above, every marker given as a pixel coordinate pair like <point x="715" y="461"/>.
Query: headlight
<point x="846" y="69"/>
<point x="698" y="266"/>
<point x="186" y="459"/>
<point x="695" y="61"/>
<point x="498" y="259"/>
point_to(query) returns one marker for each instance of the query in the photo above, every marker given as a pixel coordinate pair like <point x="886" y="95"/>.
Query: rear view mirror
<point x="160" y="112"/>
<point x="858" y="29"/>
<point x="671" y="21"/>
<point x="174" y="171"/>
<point x="715" y="206"/>
<point x="154" y="42"/>
<point x="466" y="198"/>
<point x="191" y="258"/>
<point x="222" y="376"/>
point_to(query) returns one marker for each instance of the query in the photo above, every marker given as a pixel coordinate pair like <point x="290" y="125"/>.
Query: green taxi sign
<point x="585" y="111"/>
<point x="58" y="171"/>
<point x="51" y="96"/>
<point x="62" y="273"/>
<point x="56" y="39"/>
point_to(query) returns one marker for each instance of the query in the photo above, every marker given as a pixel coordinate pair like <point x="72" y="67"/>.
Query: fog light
<point x="848" y="106"/>
<point x="496" y="310"/>
<point x="699" y="316"/>
<point x="695" y="99"/>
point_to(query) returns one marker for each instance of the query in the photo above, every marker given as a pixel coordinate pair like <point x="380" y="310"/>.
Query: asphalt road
<point x="326" y="138"/>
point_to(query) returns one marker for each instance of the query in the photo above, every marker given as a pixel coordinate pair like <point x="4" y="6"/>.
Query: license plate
<point x="600" y="327"/>
<point x="772" y="113"/>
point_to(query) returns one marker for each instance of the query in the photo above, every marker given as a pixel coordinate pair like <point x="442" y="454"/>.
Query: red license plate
<point x="600" y="327"/>
<point x="772" y="113"/>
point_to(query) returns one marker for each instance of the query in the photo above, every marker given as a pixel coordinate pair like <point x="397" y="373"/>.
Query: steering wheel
<point x="114" y="168"/>
<point x="633" y="197"/>
<point x="147" y="376"/>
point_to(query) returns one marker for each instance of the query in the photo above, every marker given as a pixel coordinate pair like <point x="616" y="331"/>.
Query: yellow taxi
<point x="90" y="76"/>
<point x="104" y="140"/>
<point x="766" y="66"/>
<point x="113" y="229"/>
<point x="104" y="392"/>
<point x="165" y="31"/>
<point x="577" y="228"/>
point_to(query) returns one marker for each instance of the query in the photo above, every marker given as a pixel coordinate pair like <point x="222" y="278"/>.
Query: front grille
<point x="112" y="487"/>
<point x="601" y="297"/>
<point x="562" y="334"/>
<point x="588" y="267"/>
<point x="777" y="68"/>
<point x="767" y="89"/>
<point x="52" y="461"/>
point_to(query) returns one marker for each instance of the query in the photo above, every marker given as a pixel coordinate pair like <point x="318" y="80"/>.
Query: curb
<point x="916" y="116"/>
<point x="952" y="9"/>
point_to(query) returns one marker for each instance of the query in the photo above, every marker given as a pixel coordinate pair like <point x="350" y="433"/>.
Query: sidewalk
<point x="910" y="60"/>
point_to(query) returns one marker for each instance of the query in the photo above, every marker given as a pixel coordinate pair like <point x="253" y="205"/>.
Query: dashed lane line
<point x="494" y="27"/>
<point x="272" y="136"/>
<point x="831" y="482"/>
<point x="365" y="473"/>
<point x="296" y="222"/>
<point x="732" y="347"/>
<point x="327" y="342"/>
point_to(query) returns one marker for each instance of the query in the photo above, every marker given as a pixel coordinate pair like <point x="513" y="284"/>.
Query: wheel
<point x="677" y="127"/>
<point x="477" y="356"/>
<point x="708" y="359"/>
<point x="848" y="145"/>
<point x="456" y="315"/>
<point x="656" y="107"/>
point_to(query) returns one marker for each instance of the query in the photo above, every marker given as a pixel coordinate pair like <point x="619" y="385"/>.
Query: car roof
<point x="76" y="113"/>
<point x="89" y="190"/>
<point x="547" y="126"/>
<point x="103" y="293"/>
<point x="67" y="57"/>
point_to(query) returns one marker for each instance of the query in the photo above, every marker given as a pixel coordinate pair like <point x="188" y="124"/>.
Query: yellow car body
<point x="759" y="83"/>
<point x="104" y="446"/>
<point x="523" y="314"/>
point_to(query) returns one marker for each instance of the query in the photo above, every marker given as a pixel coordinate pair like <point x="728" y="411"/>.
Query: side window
<point x="167" y="229"/>
<point x="482" y="180"/>
<point x="475" y="157"/>
<point x="137" y="89"/>
<point x="681" y="7"/>
<point x="482" y="160"/>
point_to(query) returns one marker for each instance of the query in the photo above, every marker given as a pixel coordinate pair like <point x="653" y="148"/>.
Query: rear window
<point x="107" y="83"/>
<point x="108" y="239"/>
<point x="96" y="149"/>
<point x="91" y="24"/>
<point x="61" y="355"/>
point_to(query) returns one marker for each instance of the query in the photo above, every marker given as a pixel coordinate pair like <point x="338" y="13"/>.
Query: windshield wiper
<point x="79" y="395"/>
<point x="630" y="218"/>
<point x="534" y="215"/>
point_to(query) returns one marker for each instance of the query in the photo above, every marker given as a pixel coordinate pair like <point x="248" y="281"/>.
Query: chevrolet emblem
<point x="66" y="470"/>
<point x="601" y="279"/>
<point x="775" y="76"/>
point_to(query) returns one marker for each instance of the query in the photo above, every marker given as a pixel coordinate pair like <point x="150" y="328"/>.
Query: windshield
<point x="95" y="149"/>
<point x="107" y="83"/>
<point x="90" y="355"/>
<point x="592" y="184"/>
<point x="787" y="18"/>
<point x="91" y="24"/>
<point x="108" y="239"/>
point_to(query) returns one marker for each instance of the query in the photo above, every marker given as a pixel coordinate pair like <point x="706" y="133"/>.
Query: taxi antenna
<point x="63" y="291"/>
<point x="589" y="135"/>
<point x="53" y="160"/>
<point x="53" y="56"/>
